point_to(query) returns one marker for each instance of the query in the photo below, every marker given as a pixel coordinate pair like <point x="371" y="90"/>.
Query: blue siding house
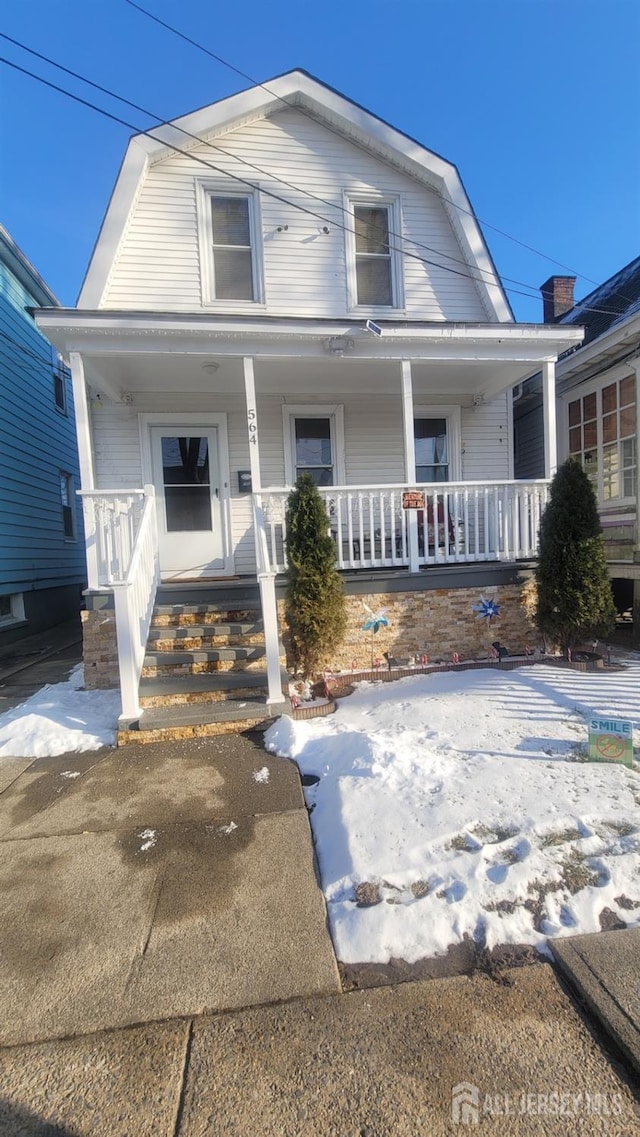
<point x="42" y="570"/>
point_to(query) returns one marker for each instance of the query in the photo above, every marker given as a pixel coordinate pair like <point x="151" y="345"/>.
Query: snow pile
<point x="59" y="719"/>
<point x="461" y="803"/>
<point x="261" y="776"/>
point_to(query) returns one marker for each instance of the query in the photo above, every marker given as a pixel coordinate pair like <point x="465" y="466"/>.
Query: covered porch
<point x="389" y="407"/>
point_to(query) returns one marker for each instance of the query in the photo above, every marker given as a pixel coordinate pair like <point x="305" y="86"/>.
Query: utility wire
<point x="302" y="110"/>
<point x="533" y="294"/>
<point x="218" y="170"/>
<point x="260" y="170"/>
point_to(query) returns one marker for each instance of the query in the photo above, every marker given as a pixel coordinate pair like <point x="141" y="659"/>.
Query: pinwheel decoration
<point x="373" y="623"/>
<point x="486" y="609"/>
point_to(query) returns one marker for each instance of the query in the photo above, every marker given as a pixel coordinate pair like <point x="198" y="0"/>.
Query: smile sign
<point x="610" y="740"/>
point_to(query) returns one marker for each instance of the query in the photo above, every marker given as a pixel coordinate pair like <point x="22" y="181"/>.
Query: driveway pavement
<point x="152" y="882"/>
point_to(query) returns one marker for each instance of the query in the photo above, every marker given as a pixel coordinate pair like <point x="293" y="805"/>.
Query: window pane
<point x="373" y="276"/>
<point x="575" y="440"/>
<point x="432" y="474"/>
<point x="64" y="489"/>
<point x="627" y="391"/>
<point x="233" y="274"/>
<point x="574" y="413"/>
<point x="59" y="390"/>
<point x="431" y="441"/>
<point x="627" y="421"/>
<point x="610" y="428"/>
<point x="591" y="434"/>
<point x="372" y="229"/>
<point x="185" y="461"/>
<point x="590" y="463"/>
<point x="589" y="407"/>
<point x="313" y="443"/>
<point x="609" y="398"/>
<point x="322" y="476"/>
<point x="230" y="218"/>
<point x="187" y="508"/>
<point x="610" y="472"/>
<point x="629" y="452"/>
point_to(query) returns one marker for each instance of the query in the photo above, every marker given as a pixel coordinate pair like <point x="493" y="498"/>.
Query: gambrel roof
<point x="295" y="89"/>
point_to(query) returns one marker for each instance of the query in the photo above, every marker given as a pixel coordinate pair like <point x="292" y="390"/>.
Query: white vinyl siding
<point x="373" y="436"/>
<point x="158" y="266"/>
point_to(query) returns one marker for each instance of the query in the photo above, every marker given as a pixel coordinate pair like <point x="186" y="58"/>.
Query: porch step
<point x="204" y="672"/>
<point x="213" y="631"/>
<point x="172" y="690"/>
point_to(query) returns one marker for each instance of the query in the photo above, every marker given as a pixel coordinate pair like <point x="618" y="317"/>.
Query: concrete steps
<point x="204" y="671"/>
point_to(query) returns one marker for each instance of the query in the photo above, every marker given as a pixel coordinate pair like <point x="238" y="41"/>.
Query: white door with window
<point x="186" y="473"/>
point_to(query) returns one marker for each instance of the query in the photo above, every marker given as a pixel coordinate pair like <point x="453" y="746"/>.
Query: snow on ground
<point x="60" y="718"/>
<point x="464" y="801"/>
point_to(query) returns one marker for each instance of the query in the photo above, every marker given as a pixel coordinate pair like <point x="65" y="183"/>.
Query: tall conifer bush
<point x="316" y="610"/>
<point x="575" y="602"/>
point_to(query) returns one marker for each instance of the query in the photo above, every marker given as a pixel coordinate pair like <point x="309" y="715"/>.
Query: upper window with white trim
<point x="231" y="262"/>
<point x="374" y="259"/>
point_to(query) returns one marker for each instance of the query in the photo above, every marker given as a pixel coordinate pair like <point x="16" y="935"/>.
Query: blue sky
<point x="536" y="102"/>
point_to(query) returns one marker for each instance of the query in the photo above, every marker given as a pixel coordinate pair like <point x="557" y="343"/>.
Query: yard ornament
<point x="486" y="609"/>
<point x="373" y="623"/>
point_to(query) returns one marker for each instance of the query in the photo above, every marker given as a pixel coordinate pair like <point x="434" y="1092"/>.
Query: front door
<point x="186" y="474"/>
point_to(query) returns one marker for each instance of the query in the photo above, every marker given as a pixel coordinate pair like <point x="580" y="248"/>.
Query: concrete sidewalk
<point x="152" y="882"/>
<point x="505" y="1060"/>
<point x="605" y="971"/>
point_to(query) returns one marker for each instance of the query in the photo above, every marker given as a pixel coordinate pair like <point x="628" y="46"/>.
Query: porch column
<point x="549" y="411"/>
<point x="85" y="460"/>
<point x="410" y="460"/>
<point x="252" y="423"/>
<point x="266" y="575"/>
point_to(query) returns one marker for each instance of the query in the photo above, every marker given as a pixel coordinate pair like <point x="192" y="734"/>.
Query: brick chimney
<point x="557" y="297"/>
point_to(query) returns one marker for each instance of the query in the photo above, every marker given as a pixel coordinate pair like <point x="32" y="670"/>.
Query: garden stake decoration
<point x="487" y="610"/>
<point x="373" y="623"/>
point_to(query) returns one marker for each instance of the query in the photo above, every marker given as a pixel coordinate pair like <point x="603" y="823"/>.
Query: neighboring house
<point x="42" y="562"/>
<point x="597" y="389"/>
<point x="223" y="343"/>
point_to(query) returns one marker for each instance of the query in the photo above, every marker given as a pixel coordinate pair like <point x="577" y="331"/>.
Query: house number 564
<point x="253" y="428"/>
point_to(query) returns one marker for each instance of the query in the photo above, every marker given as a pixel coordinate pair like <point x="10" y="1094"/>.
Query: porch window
<point x="68" y="503"/>
<point x="314" y="443"/>
<point x="375" y="265"/>
<point x="314" y="449"/>
<point x="432" y="449"/>
<point x="602" y="437"/>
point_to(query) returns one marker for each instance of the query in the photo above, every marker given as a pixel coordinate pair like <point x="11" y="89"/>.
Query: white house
<point x="284" y="282"/>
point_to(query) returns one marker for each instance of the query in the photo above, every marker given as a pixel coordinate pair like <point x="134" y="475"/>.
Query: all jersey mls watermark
<point x="469" y="1105"/>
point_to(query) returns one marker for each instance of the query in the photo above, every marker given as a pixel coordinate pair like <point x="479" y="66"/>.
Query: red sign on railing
<point x="413" y="499"/>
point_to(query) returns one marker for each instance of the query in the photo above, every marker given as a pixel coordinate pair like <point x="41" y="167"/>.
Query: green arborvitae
<point x="316" y="611"/>
<point x="575" y="603"/>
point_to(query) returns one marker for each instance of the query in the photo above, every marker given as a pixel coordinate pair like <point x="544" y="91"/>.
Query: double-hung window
<point x="231" y="267"/>
<point x="315" y="444"/>
<point x="603" y="437"/>
<point x="436" y="432"/>
<point x="375" y="264"/>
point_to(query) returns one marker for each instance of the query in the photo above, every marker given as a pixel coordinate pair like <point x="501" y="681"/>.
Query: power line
<point x="260" y="170"/>
<point x="302" y="110"/>
<point x="217" y="169"/>
<point x="533" y="294"/>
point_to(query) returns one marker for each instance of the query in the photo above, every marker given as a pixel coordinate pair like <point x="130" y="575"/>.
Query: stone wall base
<point x="437" y="622"/>
<point x="99" y="649"/>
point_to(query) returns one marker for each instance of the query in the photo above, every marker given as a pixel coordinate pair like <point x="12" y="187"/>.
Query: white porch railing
<point x="461" y="523"/>
<point x="122" y="554"/>
<point x="111" y="522"/>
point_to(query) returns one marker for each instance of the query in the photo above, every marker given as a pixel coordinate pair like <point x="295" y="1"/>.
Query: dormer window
<point x="231" y="262"/>
<point x="373" y="257"/>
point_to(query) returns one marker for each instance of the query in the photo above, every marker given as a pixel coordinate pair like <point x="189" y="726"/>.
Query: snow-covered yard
<point x="60" y="718"/>
<point x="461" y="802"/>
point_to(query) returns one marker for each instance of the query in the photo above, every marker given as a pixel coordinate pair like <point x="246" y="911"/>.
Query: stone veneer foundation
<point x="436" y="622"/>
<point x="99" y="649"/>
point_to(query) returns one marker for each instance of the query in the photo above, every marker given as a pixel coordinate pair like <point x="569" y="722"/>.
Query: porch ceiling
<point x="287" y="377"/>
